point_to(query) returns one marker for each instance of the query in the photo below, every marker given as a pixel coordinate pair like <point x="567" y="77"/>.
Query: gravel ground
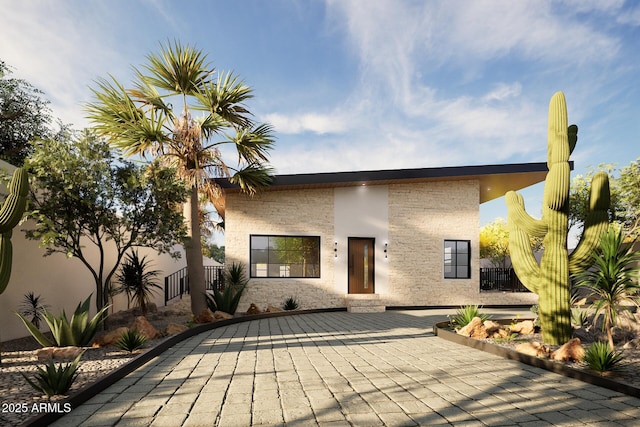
<point x="19" y="356"/>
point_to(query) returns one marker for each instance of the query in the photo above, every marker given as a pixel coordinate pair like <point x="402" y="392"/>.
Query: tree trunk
<point x="193" y="251"/>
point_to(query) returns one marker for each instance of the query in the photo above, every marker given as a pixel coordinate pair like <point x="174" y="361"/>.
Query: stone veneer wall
<point x="421" y="217"/>
<point x="297" y="212"/>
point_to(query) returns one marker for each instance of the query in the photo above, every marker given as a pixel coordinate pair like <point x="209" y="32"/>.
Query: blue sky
<point x="357" y="85"/>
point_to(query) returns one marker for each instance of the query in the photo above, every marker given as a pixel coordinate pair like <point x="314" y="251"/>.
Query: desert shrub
<point x="55" y="380"/>
<point x="465" y="315"/>
<point x="235" y="283"/>
<point x="137" y="281"/>
<point x="290" y="304"/>
<point x="32" y="306"/>
<point x="131" y="340"/>
<point x="599" y="357"/>
<point x="79" y="331"/>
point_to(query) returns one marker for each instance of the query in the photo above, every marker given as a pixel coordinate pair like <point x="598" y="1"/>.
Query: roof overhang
<point x="495" y="180"/>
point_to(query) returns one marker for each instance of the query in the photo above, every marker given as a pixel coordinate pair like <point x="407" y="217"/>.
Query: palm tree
<point x="613" y="280"/>
<point x="142" y="121"/>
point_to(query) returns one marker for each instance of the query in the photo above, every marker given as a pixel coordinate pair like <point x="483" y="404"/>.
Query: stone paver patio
<point x="342" y="369"/>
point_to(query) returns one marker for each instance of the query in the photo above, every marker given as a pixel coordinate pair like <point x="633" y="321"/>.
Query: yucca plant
<point x="131" y="341"/>
<point x="228" y="299"/>
<point x="33" y="307"/>
<point x="137" y="281"/>
<point x="599" y="357"/>
<point x="290" y="304"/>
<point x="79" y="331"/>
<point x="465" y="315"/>
<point x="55" y="380"/>
<point x="613" y="280"/>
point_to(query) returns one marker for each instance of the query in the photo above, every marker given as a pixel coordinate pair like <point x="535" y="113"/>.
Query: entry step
<point x="364" y="303"/>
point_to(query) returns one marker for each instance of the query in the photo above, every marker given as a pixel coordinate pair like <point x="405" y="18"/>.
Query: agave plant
<point x="79" y="331"/>
<point x="290" y="304"/>
<point x="465" y="315"/>
<point x="228" y="299"/>
<point x="131" y="341"/>
<point x="55" y="380"/>
<point x="599" y="357"/>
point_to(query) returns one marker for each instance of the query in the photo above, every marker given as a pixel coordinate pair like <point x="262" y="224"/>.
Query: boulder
<point x="533" y="349"/>
<point x="110" y="338"/>
<point x="253" y="309"/>
<point x="474" y="329"/>
<point x="222" y="315"/>
<point x="142" y="325"/>
<point x="58" y="353"/>
<point x="571" y="350"/>
<point x="526" y="327"/>
<point x="174" y="328"/>
<point x="206" y="316"/>
<point x="273" y="309"/>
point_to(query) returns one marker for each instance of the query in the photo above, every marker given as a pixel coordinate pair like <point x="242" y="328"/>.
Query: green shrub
<point x="465" y="315"/>
<point x="290" y="304"/>
<point x="79" y="331"/>
<point x="228" y="299"/>
<point x="55" y="380"/>
<point x="579" y="317"/>
<point x="137" y="281"/>
<point x="33" y="307"/>
<point x="131" y="341"/>
<point x="599" y="357"/>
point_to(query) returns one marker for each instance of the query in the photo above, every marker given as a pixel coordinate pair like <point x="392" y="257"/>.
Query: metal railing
<point x="500" y="279"/>
<point x="177" y="284"/>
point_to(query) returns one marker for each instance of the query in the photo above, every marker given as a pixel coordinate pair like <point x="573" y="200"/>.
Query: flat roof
<point x="495" y="180"/>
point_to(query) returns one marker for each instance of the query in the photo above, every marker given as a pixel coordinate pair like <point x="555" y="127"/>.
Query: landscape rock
<point x="142" y="325"/>
<point x="526" y="327"/>
<point x="533" y="349"/>
<point x="571" y="350"/>
<point x="474" y="329"/>
<point x="110" y="338"/>
<point x="221" y="315"/>
<point x="206" y="316"/>
<point x="174" y="328"/>
<point x="273" y="309"/>
<point x="253" y="309"/>
<point x="58" y="353"/>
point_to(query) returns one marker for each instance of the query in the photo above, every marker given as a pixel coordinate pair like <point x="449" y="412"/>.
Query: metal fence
<point x="500" y="279"/>
<point x="177" y="284"/>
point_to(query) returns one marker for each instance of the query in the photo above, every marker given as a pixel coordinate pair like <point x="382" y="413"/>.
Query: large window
<point x="285" y="256"/>
<point x="457" y="259"/>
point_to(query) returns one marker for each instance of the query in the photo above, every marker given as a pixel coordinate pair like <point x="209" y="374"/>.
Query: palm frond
<point x="253" y="144"/>
<point x="252" y="178"/>
<point x="178" y="69"/>
<point x="225" y="98"/>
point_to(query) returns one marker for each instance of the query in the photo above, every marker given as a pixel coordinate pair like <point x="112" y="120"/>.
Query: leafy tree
<point x="83" y="196"/>
<point x="142" y="120"/>
<point x="625" y="197"/>
<point x="213" y="251"/>
<point x="613" y="280"/>
<point x="24" y="115"/>
<point x="494" y="243"/>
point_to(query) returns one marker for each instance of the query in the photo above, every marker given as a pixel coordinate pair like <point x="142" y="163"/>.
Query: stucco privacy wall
<point x="62" y="282"/>
<point x="298" y="212"/>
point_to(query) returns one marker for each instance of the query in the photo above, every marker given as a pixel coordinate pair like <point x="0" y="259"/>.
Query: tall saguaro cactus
<point x="550" y="278"/>
<point x="10" y="214"/>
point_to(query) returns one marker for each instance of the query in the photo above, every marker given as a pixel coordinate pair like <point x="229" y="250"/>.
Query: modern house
<point x="368" y="240"/>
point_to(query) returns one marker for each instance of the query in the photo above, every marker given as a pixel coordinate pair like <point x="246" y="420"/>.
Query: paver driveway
<point x="334" y="369"/>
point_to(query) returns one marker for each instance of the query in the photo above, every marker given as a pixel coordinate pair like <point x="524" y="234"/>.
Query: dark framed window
<point x="285" y="256"/>
<point x="457" y="259"/>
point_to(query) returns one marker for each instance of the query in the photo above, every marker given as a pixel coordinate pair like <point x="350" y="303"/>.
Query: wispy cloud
<point x="317" y="123"/>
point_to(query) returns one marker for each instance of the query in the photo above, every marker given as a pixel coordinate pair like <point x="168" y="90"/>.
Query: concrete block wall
<point x="297" y="212"/>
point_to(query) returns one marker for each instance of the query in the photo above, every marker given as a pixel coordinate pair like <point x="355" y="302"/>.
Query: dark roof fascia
<point x="365" y="177"/>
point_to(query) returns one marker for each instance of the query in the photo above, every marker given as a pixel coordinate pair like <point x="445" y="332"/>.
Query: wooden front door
<point x="361" y="265"/>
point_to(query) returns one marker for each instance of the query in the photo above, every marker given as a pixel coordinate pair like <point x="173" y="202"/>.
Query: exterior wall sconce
<point x="335" y="249"/>
<point x="385" y="249"/>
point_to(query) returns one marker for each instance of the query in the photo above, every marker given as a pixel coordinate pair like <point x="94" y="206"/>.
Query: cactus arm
<point x="15" y="203"/>
<point x="527" y="269"/>
<point x="595" y="224"/>
<point x="6" y="258"/>
<point x="521" y="219"/>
